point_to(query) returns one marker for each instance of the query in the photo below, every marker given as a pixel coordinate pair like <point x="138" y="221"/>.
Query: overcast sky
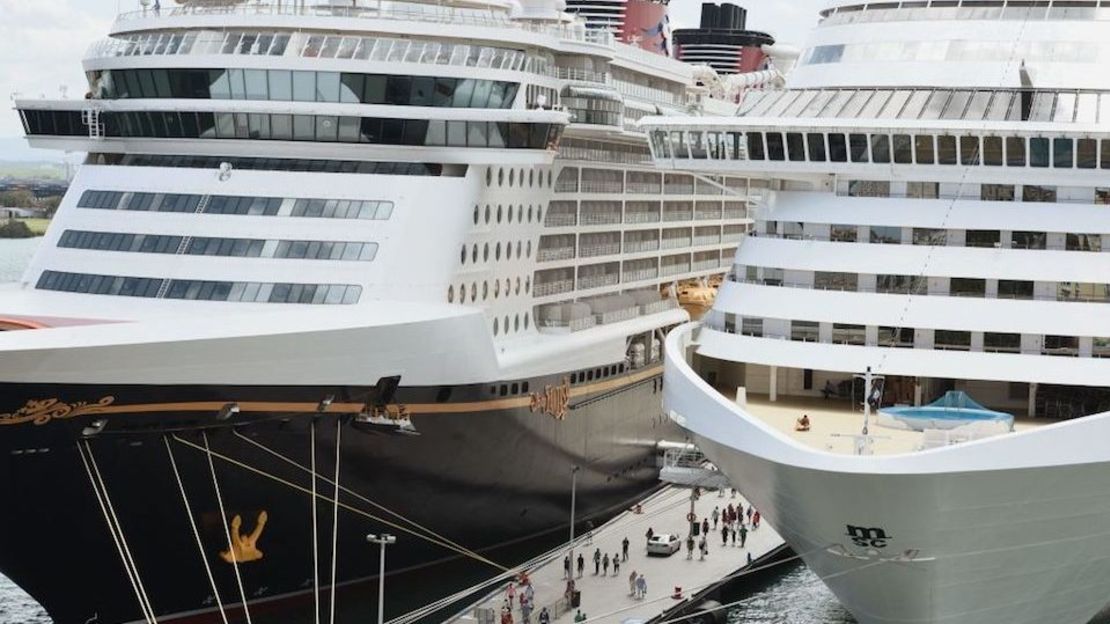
<point x="42" y="41"/>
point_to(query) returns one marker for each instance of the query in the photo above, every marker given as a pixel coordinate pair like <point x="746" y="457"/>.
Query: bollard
<point x="677" y="595"/>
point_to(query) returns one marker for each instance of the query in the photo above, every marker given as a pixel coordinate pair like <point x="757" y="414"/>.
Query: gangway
<point x="687" y="466"/>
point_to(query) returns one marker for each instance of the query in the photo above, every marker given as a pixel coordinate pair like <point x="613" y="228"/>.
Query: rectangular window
<point x="923" y="190"/>
<point x="816" y="147"/>
<point x="869" y="188"/>
<point x="880" y="149"/>
<point x="898" y="337"/>
<point x="805" y="331"/>
<point x="967" y="287"/>
<point x="1027" y="240"/>
<point x="838" y="148"/>
<point x="1061" y="345"/>
<point x="1041" y="194"/>
<point x="924" y="149"/>
<point x="843" y="333"/>
<point x="946" y="149"/>
<point x="1084" y="242"/>
<point x="796" y="149"/>
<point x="886" y="235"/>
<point x="1104" y="156"/>
<point x="901" y="285"/>
<point x="1039" y="153"/>
<point x="983" y="238"/>
<point x="1063" y="155"/>
<point x="969" y="150"/>
<point x="775" y="148"/>
<point x="843" y="233"/>
<point x="755" y="146"/>
<point x="1015" y="289"/>
<point x="257" y="84"/>
<point x="903" y="149"/>
<point x="952" y="340"/>
<point x="992" y="151"/>
<point x="858" y="145"/>
<point x="327" y="87"/>
<point x="1086" y="154"/>
<point x="994" y="342"/>
<point x="828" y="280"/>
<point x="304" y="86"/>
<point x="1015" y="152"/>
<point x="996" y="192"/>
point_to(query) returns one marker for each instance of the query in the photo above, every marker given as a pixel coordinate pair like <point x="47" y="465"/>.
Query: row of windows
<point x="499" y="323"/>
<point x="533" y="211"/>
<point x="199" y="290"/>
<point x="597" y="111"/>
<point x="966" y="10"/>
<point x="281" y="85"/>
<point x="324" y="128"/>
<point x="934" y="51"/>
<point x="237" y="205"/>
<point x="488" y="291"/>
<point x="896" y="235"/>
<point x="232" y="247"/>
<point x="597" y="373"/>
<point x="901" y="149"/>
<point x="910" y="337"/>
<point x="273" y="164"/>
<point x="524" y="251"/>
<point x="938" y="286"/>
<point x="1027" y="193"/>
<point x="533" y="177"/>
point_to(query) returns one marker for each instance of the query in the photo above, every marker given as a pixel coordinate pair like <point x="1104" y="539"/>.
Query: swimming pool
<point x="954" y="409"/>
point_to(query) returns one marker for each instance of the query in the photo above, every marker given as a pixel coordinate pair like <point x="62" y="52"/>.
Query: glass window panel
<point x="969" y="150"/>
<point x="304" y="128"/>
<point x="1039" y="152"/>
<point x="880" y="148"/>
<point x="257" y="84"/>
<point x="1015" y="151"/>
<point x="795" y="146"/>
<point x="1087" y="153"/>
<point x="1000" y="106"/>
<point x="992" y="151"/>
<point x="816" y="143"/>
<point x="977" y="109"/>
<point x="838" y="148"/>
<point x="895" y="105"/>
<point x="1063" y="153"/>
<point x="304" y="86"/>
<point x="755" y="146"/>
<point x="957" y="104"/>
<point x="903" y="149"/>
<point x="858" y="145"/>
<point x="775" y="146"/>
<point x="238" y="85"/>
<point x="327" y="87"/>
<point x="327" y="128"/>
<point x="915" y="104"/>
<point x="946" y="150"/>
<point x="281" y="127"/>
<point x="1065" y="108"/>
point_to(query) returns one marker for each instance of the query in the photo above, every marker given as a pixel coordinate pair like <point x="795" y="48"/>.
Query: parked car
<point x="664" y="545"/>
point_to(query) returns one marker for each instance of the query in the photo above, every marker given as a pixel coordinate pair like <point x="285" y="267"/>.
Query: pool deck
<point x="833" y="423"/>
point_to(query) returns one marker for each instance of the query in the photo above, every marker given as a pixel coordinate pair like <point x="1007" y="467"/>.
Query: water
<point x="17" y="607"/>
<point x="795" y="597"/>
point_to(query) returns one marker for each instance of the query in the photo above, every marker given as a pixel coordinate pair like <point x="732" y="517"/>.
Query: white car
<point x="664" y="545"/>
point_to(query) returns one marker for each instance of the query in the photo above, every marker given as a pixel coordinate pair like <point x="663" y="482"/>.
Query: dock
<point x="671" y="580"/>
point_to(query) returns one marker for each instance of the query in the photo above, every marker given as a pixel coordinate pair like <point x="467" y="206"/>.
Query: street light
<point x="382" y="540"/>
<point x="573" y="494"/>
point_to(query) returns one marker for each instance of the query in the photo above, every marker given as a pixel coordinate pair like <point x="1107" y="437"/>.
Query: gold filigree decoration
<point x="44" y="411"/>
<point x="244" y="548"/>
<point x="552" y="400"/>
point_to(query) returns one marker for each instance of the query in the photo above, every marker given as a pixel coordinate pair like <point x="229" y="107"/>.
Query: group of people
<point x="527" y="602"/>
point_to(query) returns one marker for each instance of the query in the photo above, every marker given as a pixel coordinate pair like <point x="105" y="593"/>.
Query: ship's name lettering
<point x="874" y="537"/>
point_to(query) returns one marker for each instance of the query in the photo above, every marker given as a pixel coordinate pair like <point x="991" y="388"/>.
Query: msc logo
<point x="868" y="538"/>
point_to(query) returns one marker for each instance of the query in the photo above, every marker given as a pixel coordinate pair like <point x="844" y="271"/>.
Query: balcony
<point x="640" y="246"/>
<point x="593" y="251"/>
<point x="552" y="255"/>
<point x="556" y="287"/>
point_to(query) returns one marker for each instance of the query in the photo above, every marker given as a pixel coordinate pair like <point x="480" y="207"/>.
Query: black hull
<point x="487" y="478"/>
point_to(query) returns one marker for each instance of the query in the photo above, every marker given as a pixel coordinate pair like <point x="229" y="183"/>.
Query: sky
<point x="42" y="43"/>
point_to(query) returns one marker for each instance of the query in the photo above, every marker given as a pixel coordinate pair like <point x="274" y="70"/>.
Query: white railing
<point x="592" y="251"/>
<point x="553" y="288"/>
<point x="700" y="241"/>
<point x="601" y="218"/>
<point x="638" y="246"/>
<point x="640" y="275"/>
<point x="676" y="268"/>
<point x="618" y="316"/>
<point x="597" y="281"/>
<point x="675" y="243"/>
<point x="560" y="220"/>
<point x="561" y="253"/>
<point x="642" y="217"/>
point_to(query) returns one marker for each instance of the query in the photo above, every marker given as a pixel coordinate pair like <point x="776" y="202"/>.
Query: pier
<point x="671" y="580"/>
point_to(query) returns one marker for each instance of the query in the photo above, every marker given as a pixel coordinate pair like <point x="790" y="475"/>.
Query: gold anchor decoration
<point x="244" y="548"/>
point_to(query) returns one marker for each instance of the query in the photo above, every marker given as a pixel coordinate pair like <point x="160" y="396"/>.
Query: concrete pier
<point x="609" y="599"/>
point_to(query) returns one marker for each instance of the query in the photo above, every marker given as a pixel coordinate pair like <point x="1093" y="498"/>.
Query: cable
<point x="315" y="538"/>
<point x="196" y="532"/>
<point x="335" y="515"/>
<point x="227" y="528"/>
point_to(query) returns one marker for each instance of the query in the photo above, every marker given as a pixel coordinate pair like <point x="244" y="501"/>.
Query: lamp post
<point x="382" y="540"/>
<point x="573" y="500"/>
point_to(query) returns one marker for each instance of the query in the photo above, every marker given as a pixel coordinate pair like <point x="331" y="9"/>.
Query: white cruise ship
<point x="937" y="212"/>
<point x="407" y="260"/>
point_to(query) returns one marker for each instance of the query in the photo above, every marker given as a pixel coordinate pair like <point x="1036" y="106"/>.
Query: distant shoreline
<point x="23" y="228"/>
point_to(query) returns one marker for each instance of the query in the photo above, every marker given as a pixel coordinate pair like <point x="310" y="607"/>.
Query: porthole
<point x="485" y="253"/>
<point x="473" y="291"/>
<point x="462" y="256"/>
<point x="549" y="178"/>
<point x="518" y="285"/>
<point x="510" y="214"/>
<point x="495" y="332"/>
<point x="529" y="249"/>
<point x="506" y="325"/>
<point x="531" y="178"/>
<point x="539" y="214"/>
<point x="485" y="291"/>
<point x="508" y="286"/>
<point x="527" y="285"/>
<point x="496" y="289"/>
<point x="497" y="252"/>
<point x="516" y="322"/>
<point x="520" y="213"/>
<point x="515" y="389"/>
<point x="489" y="176"/>
<point x="529" y="213"/>
<point x="499" y="213"/>
<point x="500" y="177"/>
<point x="474" y="254"/>
<point x="477" y="214"/>
<point x="450" y="294"/>
<point x="518" y="249"/>
<point x="512" y="177"/>
<point x="522" y="176"/>
<point x="487" y="214"/>
<point x="526" y="320"/>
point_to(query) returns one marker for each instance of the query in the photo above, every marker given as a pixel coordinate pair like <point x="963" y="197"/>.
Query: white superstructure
<point x="936" y="211"/>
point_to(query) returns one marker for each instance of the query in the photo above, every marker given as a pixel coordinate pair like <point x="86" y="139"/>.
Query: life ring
<point x="691" y="517"/>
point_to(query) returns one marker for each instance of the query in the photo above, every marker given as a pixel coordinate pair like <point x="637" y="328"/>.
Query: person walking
<point x="716" y="516"/>
<point x="525" y="611"/>
<point x="755" y="520"/>
<point x="566" y="566"/>
<point x="641" y="586"/>
<point x="705" y="526"/>
<point x="733" y="531"/>
<point x="650" y="533"/>
<point x="545" y="617"/>
<point x="749" y="512"/>
<point x="689" y="547"/>
<point x="703" y="547"/>
<point x="581" y="564"/>
<point x="632" y="584"/>
<point x="605" y="564"/>
<point x="724" y="535"/>
<point x="589" y="532"/>
<point x="597" y="561"/>
<point x="743" y="535"/>
<point x="616" y="564"/>
<point x="510" y="594"/>
<point x="579" y="616"/>
<point x="624" y="548"/>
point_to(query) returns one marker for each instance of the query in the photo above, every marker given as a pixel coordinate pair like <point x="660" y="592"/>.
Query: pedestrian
<point x="641" y="586"/>
<point x="733" y="535"/>
<point x="749" y="557"/>
<point x="716" y="516"/>
<point x="579" y="616"/>
<point x="581" y="564"/>
<point x="703" y="547"/>
<point x="511" y="593"/>
<point x="724" y="535"/>
<point x="743" y="535"/>
<point x="733" y="492"/>
<point x="755" y="520"/>
<point x="597" y="561"/>
<point x="605" y="564"/>
<point x="529" y="592"/>
<point x="729" y="511"/>
<point x="545" y="617"/>
<point x="506" y="614"/>
<point x="525" y="612"/>
<point x="689" y="547"/>
<point x="749" y="512"/>
<point x="632" y="583"/>
<point x="705" y="526"/>
<point x="566" y="566"/>
<point x="650" y="533"/>
<point x="624" y="548"/>
<point x="616" y="564"/>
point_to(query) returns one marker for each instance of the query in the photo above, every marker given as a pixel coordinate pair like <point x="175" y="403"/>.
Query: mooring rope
<point x="315" y="539"/>
<point x="335" y="515"/>
<point x="227" y="528"/>
<point x="196" y="532"/>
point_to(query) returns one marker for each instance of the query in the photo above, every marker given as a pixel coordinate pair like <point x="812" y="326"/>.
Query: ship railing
<point x="598" y="281"/>
<point x="593" y="251"/>
<point x="390" y="9"/>
<point x="638" y="246"/>
<point x="560" y="253"/>
<point x="553" y="288"/>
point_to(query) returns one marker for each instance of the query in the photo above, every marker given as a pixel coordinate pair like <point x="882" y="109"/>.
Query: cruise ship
<point x="334" y="268"/>
<point x="931" y="237"/>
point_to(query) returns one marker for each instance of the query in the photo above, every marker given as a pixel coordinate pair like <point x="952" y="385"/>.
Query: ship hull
<point x="1009" y="529"/>
<point x="483" y="486"/>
